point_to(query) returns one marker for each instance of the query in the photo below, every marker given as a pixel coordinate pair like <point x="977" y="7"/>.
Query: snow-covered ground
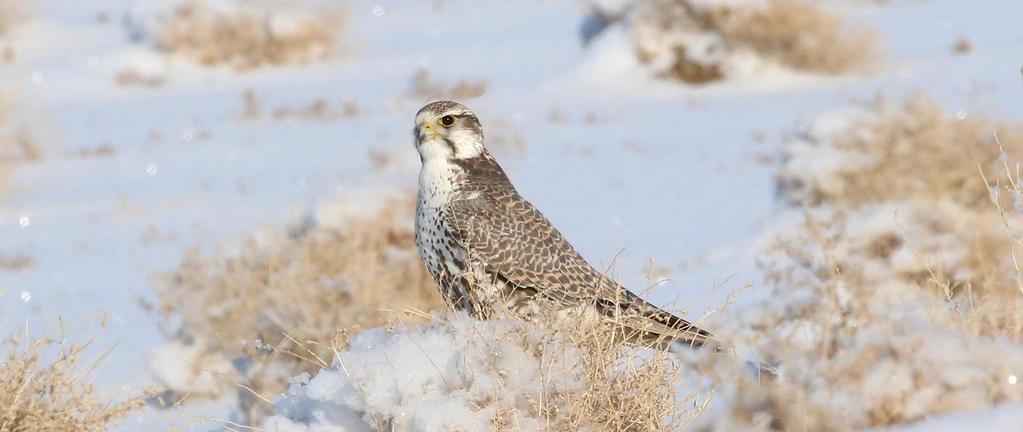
<point x="634" y="170"/>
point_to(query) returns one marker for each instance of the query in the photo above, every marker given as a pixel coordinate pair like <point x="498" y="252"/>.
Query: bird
<point x="493" y="254"/>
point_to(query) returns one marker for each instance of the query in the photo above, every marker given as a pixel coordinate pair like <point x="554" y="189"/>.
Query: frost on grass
<point x="911" y="150"/>
<point x="245" y="314"/>
<point x="457" y="373"/>
<point x="852" y="351"/>
<point x="246" y="35"/>
<point x="699" y="41"/>
<point x="45" y="386"/>
<point x="898" y="292"/>
<point x="958" y="234"/>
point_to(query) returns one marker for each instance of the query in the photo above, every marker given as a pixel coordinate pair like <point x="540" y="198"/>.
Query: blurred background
<point x="183" y="182"/>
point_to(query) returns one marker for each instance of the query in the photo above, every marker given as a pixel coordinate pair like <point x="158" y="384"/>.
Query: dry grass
<point x="307" y="285"/>
<point x="898" y="295"/>
<point x="246" y="36"/>
<point x="549" y="374"/>
<point x="317" y="109"/>
<point x="853" y="352"/>
<point x="44" y="386"/>
<point x="11" y="13"/>
<point x="696" y="43"/>
<point x="958" y="199"/>
<point x="288" y="304"/>
<point x="627" y="387"/>
<point x="426" y="87"/>
<point x="898" y="151"/>
<point x="16" y="143"/>
<point x="15" y="261"/>
<point x="134" y="78"/>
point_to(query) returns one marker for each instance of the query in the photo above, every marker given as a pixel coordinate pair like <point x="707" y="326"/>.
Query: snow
<point x="452" y="375"/>
<point x="663" y="173"/>
<point x="180" y="368"/>
<point x="1004" y="417"/>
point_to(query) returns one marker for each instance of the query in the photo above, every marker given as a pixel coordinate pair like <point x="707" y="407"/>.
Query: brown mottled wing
<point x="520" y="246"/>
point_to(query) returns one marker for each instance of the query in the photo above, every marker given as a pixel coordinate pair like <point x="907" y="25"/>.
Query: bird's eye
<point x="447" y="121"/>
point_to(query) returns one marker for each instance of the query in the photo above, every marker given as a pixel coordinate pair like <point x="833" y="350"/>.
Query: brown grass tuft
<point x="856" y="349"/>
<point x="16" y="261"/>
<point x="298" y="287"/>
<point x="318" y="109"/>
<point x="695" y="43"/>
<point x="16" y="143"/>
<point x="898" y="296"/>
<point x="45" y="387"/>
<point x="248" y="36"/>
<point x="944" y="201"/>
<point x="426" y="87"/>
<point x="12" y="12"/>
<point x="627" y="388"/>
<point x="549" y="374"/>
<point x="898" y="151"/>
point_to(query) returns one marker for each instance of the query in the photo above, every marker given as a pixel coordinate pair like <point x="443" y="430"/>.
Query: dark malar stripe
<point x="451" y="145"/>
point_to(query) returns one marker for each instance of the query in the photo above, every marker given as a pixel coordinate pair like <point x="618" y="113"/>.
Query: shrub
<point x="457" y="373"/>
<point x="309" y="286"/>
<point x="854" y="352"/>
<point x="11" y="13"/>
<point x="897" y="151"/>
<point x="897" y="296"/>
<point x="699" y="41"/>
<point x="45" y="387"/>
<point x="246" y="36"/>
<point x="16" y="143"/>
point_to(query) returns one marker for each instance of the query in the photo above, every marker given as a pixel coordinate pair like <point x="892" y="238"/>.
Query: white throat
<point x="439" y="176"/>
<point x="437" y="180"/>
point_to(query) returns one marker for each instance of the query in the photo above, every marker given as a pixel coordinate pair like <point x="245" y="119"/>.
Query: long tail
<point x="682" y="333"/>
<point x="657" y="327"/>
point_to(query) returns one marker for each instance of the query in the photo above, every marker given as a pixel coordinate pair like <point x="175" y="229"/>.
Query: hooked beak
<point x="424" y="132"/>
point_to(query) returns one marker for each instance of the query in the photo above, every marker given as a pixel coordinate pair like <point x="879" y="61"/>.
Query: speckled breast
<point x="441" y="256"/>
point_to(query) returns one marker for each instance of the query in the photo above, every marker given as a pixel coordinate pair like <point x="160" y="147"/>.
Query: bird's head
<point x="448" y="130"/>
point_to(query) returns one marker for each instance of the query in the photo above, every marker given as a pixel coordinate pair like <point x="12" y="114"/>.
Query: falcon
<point x="492" y="254"/>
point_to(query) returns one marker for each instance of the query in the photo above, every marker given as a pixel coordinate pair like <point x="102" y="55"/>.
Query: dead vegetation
<point x="136" y="78"/>
<point x="886" y="150"/>
<point x="898" y="294"/>
<point x="962" y="46"/>
<point x="626" y="387"/>
<point x="548" y="374"/>
<point x="284" y="304"/>
<point x="317" y="110"/>
<point x="697" y="42"/>
<point x="11" y="13"/>
<point x="277" y="290"/>
<point x="45" y="386"/>
<point x="854" y="351"/>
<point x="250" y="35"/>
<point x="426" y="87"/>
<point x="16" y="143"/>
<point x="15" y="261"/>
<point x="944" y="200"/>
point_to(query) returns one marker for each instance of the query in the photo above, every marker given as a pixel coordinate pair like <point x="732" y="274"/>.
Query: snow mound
<point x="897" y="150"/>
<point x="895" y="296"/>
<point x="701" y="41"/>
<point x="458" y="376"/>
<point x="858" y="340"/>
<point x="243" y="35"/>
<point x="463" y="374"/>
